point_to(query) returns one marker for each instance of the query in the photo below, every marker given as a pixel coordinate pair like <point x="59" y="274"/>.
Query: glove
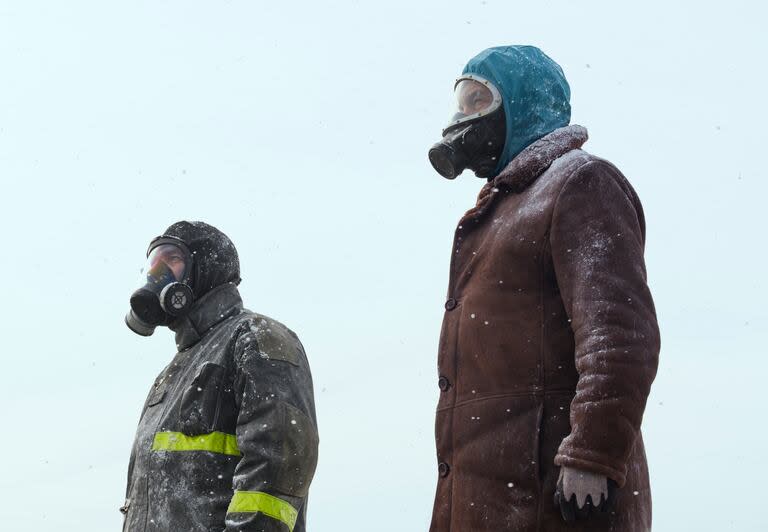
<point x="580" y="494"/>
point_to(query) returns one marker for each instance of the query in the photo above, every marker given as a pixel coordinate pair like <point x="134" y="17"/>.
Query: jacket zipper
<point x="217" y="411"/>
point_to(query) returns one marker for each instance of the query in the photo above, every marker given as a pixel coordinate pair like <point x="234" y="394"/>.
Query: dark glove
<point x="578" y="490"/>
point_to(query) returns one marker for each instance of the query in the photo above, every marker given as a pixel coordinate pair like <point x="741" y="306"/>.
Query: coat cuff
<point x="589" y="463"/>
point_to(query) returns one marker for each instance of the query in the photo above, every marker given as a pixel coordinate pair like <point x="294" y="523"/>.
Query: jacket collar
<point x="221" y="303"/>
<point x="538" y="156"/>
<point x="529" y="164"/>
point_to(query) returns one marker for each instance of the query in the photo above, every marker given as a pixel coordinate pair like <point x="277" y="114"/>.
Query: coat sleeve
<point x="597" y="240"/>
<point x="276" y="432"/>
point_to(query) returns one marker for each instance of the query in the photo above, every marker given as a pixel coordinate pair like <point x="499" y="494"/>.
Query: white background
<point x="301" y="130"/>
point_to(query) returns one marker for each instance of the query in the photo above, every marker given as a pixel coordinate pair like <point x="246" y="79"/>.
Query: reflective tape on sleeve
<point x="257" y="501"/>
<point x="215" y="442"/>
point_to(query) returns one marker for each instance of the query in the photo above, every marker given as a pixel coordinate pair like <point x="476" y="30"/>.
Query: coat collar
<point x="530" y="163"/>
<point x="221" y="303"/>
<point x="538" y="156"/>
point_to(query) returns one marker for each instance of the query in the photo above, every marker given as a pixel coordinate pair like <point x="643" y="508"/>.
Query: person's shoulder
<point x="560" y="171"/>
<point x="267" y="325"/>
<point x="568" y="163"/>
<point x="581" y="168"/>
<point x="596" y="185"/>
<point x="269" y="338"/>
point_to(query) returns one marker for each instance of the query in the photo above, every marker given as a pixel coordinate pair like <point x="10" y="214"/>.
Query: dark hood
<point x="215" y="260"/>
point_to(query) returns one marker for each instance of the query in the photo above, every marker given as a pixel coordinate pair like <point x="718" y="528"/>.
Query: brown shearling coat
<point x="548" y="348"/>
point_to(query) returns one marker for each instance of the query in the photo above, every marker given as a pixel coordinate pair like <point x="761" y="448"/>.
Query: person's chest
<point x="194" y="394"/>
<point x="506" y="243"/>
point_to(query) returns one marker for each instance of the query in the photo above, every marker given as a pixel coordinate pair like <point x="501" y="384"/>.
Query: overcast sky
<point x="301" y="130"/>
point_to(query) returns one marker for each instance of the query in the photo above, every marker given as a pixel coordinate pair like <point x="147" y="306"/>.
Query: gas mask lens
<point x="166" y="264"/>
<point x="474" y="97"/>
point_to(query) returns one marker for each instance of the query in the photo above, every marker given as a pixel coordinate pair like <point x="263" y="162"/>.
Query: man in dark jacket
<point x="549" y="342"/>
<point x="227" y="439"/>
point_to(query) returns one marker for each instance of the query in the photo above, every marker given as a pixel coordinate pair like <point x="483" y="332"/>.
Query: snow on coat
<point x="549" y="345"/>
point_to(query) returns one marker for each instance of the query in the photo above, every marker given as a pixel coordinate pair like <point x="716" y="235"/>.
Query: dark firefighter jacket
<point x="227" y="439"/>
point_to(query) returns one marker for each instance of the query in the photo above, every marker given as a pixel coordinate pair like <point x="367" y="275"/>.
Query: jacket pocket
<point x="201" y="400"/>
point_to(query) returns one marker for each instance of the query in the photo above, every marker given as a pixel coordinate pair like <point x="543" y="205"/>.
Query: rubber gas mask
<point x="475" y="136"/>
<point x="164" y="292"/>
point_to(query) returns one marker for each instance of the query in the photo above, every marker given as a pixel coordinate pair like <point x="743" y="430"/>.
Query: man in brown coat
<point x="549" y="343"/>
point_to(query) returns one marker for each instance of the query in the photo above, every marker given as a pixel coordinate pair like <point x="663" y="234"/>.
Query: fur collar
<point x="530" y="163"/>
<point x="534" y="159"/>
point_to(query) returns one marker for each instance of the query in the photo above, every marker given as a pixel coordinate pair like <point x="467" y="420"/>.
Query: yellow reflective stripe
<point x="257" y="501"/>
<point x="215" y="442"/>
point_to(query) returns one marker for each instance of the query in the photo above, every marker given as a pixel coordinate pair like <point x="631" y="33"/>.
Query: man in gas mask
<point x="227" y="439"/>
<point x="549" y="342"/>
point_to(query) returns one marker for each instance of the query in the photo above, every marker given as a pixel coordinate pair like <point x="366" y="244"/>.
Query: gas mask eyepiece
<point x="475" y="135"/>
<point x="164" y="291"/>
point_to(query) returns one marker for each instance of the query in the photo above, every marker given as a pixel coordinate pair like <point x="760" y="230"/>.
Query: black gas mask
<point x="184" y="265"/>
<point x="165" y="291"/>
<point x="477" y="132"/>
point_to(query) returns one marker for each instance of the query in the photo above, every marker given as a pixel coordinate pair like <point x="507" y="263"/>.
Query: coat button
<point x="443" y="383"/>
<point x="450" y="304"/>
<point x="443" y="469"/>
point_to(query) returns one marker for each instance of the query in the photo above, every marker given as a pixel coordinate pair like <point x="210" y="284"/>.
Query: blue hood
<point x="534" y="91"/>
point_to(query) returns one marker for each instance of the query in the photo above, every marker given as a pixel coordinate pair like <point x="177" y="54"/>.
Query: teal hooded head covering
<point x="535" y="94"/>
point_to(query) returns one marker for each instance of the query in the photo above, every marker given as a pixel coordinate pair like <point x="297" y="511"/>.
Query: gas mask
<point x="164" y="292"/>
<point x="475" y="136"/>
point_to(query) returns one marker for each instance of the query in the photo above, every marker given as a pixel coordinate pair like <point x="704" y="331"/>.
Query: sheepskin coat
<point x="549" y="345"/>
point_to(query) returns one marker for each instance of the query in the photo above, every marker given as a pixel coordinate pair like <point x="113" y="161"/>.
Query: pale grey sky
<point x="301" y="130"/>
